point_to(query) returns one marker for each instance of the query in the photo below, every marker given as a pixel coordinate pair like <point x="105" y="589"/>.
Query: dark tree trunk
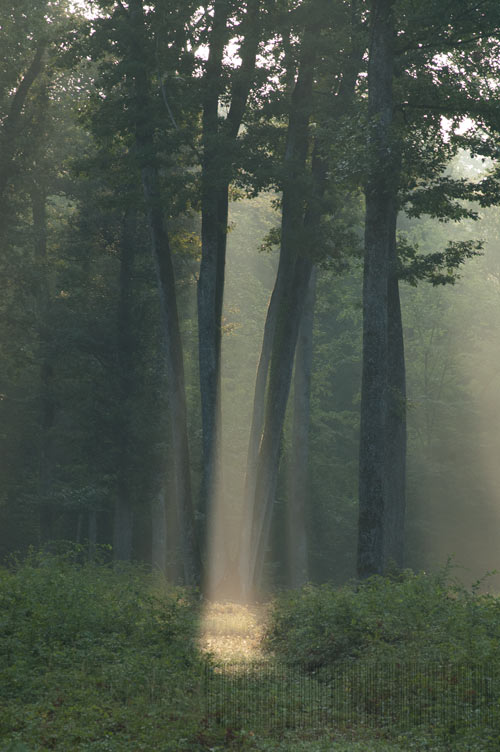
<point x="123" y="514"/>
<point x="394" y="536"/>
<point x="256" y="427"/>
<point x="280" y="375"/>
<point x="298" y="232"/>
<point x="162" y="258"/>
<point x="214" y="205"/>
<point x="159" y="533"/>
<point x="381" y="211"/>
<point x="298" y="473"/>
<point x="47" y="398"/>
<point x="175" y="377"/>
<point x="218" y="142"/>
<point x="280" y="333"/>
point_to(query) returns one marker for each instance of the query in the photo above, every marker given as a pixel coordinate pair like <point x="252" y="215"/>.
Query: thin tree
<point x="162" y="257"/>
<point x="219" y="139"/>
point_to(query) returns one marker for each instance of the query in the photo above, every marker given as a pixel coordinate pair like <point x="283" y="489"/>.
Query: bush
<point x="424" y="617"/>
<point x="93" y="657"/>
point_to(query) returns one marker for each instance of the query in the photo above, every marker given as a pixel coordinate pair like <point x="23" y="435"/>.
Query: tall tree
<point x="281" y="326"/>
<point x="162" y="256"/>
<point x="303" y="206"/>
<point x="122" y="42"/>
<point x="381" y="213"/>
<point x="297" y="513"/>
<point x="126" y="347"/>
<point x="219" y="140"/>
<point x="408" y="58"/>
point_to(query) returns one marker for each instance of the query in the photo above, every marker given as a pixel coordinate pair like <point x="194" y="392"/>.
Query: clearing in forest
<point x="232" y="632"/>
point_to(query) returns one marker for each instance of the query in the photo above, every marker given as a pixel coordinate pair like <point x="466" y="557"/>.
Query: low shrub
<point x="93" y="657"/>
<point x="411" y="617"/>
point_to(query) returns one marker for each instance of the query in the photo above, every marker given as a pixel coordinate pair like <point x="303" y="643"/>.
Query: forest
<point x="250" y="263"/>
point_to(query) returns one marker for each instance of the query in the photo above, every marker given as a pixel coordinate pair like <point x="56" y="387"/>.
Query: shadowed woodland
<point x="250" y="264"/>
<point x="243" y="249"/>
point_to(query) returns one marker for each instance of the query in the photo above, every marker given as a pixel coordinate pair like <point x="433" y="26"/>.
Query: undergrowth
<point x="408" y="617"/>
<point x="96" y="658"/>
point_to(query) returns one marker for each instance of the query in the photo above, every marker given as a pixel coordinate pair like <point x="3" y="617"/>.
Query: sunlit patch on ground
<point x="232" y="632"/>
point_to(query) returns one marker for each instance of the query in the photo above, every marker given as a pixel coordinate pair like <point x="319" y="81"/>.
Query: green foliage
<point x="424" y="617"/>
<point x="93" y="657"/>
<point x="439" y="268"/>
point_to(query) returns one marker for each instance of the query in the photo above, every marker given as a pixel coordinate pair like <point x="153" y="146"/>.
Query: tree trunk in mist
<point x="280" y="376"/>
<point x="123" y="513"/>
<point x="394" y="525"/>
<point x="175" y="377"/>
<point x="218" y="140"/>
<point x="257" y="511"/>
<point x="380" y="224"/>
<point x="214" y="203"/>
<point x="280" y="335"/>
<point x="159" y="533"/>
<point x="162" y="258"/>
<point x="254" y="440"/>
<point x="298" y="473"/>
<point x="47" y="399"/>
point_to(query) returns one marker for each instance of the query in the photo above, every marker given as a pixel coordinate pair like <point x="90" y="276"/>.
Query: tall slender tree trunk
<point x="47" y="398"/>
<point x="280" y="376"/>
<point x="298" y="473"/>
<point x="123" y="513"/>
<point x="159" y="533"/>
<point x="280" y="334"/>
<point x="162" y="257"/>
<point x="218" y="141"/>
<point x="291" y="285"/>
<point x="394" y="524"/>
<point x="175" y="376"/>
<point x="380" y="223"/>
<point x="210" y="288"/>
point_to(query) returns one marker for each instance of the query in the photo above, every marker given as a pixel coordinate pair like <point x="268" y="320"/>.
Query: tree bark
<point x="211" y="277"/>
<point x="394" y="524"/>
<point x="47" y="398"/>
<point x="123" y="515"/>
<point x="175" y="377"/>
<point x="217" y="165"/>
<point x="298" y="474"/>
<point x="380" y="223"/>
<point x="159" y="534"/>
<point x="162" y="257"/>
<point x="280" y="333"/>
<point x="299" y="228"/>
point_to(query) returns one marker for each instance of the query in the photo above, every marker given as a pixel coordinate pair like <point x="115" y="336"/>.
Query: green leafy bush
<point x="93" y="657"/>
<point x="424" y="617"/>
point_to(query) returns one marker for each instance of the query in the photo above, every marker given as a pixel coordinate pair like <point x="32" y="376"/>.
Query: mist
<point x="453" y="364"/>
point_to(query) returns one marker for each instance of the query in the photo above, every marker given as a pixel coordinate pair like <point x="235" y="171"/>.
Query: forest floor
<point x="232" y="632"/>
<point x="95" y="659"/>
